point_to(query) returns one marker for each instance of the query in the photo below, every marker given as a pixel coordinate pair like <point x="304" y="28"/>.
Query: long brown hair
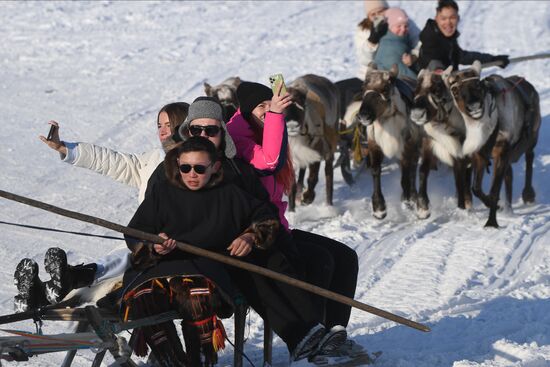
<point x="366" y="24"/>
<point x="285" y="176"/>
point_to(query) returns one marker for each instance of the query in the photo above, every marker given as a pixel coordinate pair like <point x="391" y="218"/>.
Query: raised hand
<point x="280" y="103"/>
<point x="55" y="143"/>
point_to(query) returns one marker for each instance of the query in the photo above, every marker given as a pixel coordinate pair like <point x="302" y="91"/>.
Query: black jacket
<point x="208" y="218"/>
<point x="435" y="46"/>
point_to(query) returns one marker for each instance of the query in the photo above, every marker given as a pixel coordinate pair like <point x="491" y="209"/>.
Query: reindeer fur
<point x="390" y="133"/>
<point x="499" y="122"/>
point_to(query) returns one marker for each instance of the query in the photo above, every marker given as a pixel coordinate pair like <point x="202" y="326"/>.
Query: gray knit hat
<point x="208" y="107"/>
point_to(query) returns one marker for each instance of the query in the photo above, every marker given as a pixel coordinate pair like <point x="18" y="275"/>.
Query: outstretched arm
<point x="122" y="167"/>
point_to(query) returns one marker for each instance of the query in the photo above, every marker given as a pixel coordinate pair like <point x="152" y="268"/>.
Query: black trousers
<point x="342" y="279"/>
<point x="348" y="88"/>
<point x="290" y="310"/>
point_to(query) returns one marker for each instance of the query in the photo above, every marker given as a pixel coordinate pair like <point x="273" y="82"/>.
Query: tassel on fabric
<point x="218" y="336"/>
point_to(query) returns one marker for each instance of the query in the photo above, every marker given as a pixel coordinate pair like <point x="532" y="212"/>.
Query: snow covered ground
<point x="104" y="68"/>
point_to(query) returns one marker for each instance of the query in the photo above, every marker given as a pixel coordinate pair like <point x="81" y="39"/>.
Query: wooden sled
<point x="97" y="329"/>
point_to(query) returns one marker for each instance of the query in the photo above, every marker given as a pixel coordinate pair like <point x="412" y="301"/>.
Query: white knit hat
<point x="373" y="5"/>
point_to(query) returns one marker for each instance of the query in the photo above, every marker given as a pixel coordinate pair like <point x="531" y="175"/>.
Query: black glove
<point x="504" y="58"/>
<point x="378" y="32"/>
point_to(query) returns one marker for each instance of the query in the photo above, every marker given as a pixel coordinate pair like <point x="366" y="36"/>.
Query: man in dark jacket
<point x="440" y="45"/>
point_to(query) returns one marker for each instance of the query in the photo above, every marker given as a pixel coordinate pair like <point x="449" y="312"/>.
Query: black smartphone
<point x="53" y="128"/>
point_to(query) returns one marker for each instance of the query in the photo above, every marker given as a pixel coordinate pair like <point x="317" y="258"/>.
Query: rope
<point x="60" y="230"/>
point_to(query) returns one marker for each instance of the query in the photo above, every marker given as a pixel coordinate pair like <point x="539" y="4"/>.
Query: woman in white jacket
<point x="365" y="40"/>
<point x="128" y="168"/>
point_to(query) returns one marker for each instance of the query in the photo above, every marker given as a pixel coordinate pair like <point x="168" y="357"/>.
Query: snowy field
<point x="103" y="69"/>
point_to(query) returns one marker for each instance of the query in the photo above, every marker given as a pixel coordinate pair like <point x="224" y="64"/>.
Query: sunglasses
<point x="200" y="169"/>
<point x="209" y="130"/>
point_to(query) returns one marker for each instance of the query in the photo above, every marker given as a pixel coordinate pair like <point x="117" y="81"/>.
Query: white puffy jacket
<point x="130" y="169"/>
<point x="364" y="50"/>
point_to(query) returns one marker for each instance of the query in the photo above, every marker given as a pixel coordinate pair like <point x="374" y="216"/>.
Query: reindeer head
<point x="295" y="113"/>
<point x="432" y="99"/>
<point x="226" y="94"/>
<point x="378" y="90"/>
<point x="467" y="90"/>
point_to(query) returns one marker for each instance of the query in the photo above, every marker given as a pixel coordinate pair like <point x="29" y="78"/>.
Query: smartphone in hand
<point x="276" y="81"/>
<point x="53" y="128"/>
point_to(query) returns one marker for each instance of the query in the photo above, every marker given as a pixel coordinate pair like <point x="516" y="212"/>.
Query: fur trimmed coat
<point x="208" y="218"/>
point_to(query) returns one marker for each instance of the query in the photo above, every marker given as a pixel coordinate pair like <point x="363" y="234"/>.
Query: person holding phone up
<point x="128" y="168"/>
<point x="258" y="129"/>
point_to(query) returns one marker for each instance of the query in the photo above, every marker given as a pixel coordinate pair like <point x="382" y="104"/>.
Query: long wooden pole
<point x="218" y="257"/>
<point x="517" y="59"/>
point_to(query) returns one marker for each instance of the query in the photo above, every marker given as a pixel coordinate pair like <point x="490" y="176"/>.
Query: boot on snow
<point x="30" y="289"/>
<point x="65" y="277"/>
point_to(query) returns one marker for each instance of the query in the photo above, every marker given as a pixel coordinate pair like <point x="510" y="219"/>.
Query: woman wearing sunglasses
<point x="194" y="206"/>
<point x="128" y="168"/>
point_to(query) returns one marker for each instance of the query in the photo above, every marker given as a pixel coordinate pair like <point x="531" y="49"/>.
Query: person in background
<point x="128" y="168"/>
<point x="365" y="40"/>
<point x="439" y="41"/>
<point x="368" y="34"/>
<point x="396" y="45"/>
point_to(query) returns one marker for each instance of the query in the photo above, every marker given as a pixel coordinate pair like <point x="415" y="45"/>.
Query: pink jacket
<point x="263" y="157"/>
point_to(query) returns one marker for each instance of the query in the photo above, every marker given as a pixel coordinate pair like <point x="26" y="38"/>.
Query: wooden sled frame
<point x="107" y="324"/>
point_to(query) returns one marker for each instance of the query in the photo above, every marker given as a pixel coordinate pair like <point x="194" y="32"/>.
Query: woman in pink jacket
<point x="258" y="129"/>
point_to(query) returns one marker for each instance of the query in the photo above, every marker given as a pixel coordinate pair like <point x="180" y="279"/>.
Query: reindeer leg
<point x="309" y="195"/>
<point x="296" y="190"/>
<point x="501" y="162"/>
<point x="292" y="198"/>
<point x="480" y="163"/>
<point x="467" y="184"/>
<point x="460" y="181"/>
<point x="300" y="181"/>
<point x="378" y="203"/>
<point x="528" y="194"/>
<point x="508" y="179"/>
<point x="329" y="178"/>
<point x="423" y="202"/>
<point x="409" y="162"/>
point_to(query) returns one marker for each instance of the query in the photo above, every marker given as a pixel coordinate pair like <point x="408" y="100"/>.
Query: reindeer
<point x="385" y="113"/>
<point x="226" y="94"/>
<point x="312" y="125"/>
<point x="502" y="117"/>
<point x="444" y="129"/>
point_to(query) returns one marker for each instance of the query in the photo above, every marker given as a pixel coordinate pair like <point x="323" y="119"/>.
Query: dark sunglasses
<point x="200" y="169"/>
<point x="209" y="130"/>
